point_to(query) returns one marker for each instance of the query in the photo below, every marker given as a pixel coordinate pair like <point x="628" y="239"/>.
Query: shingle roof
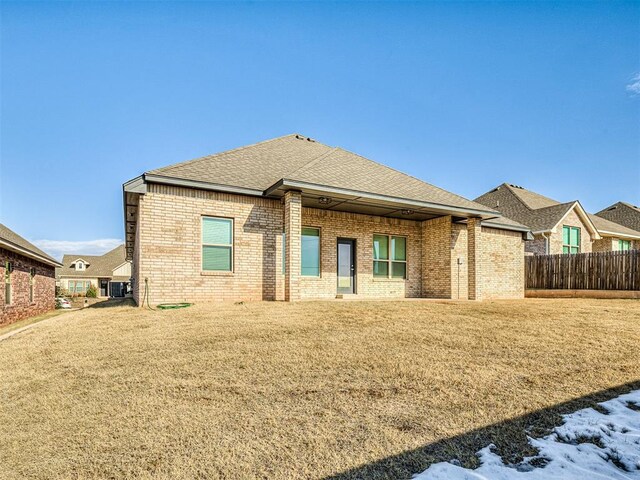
<point x="294" y="157"/>
<point x="622" y="213"/>
<point x="98" y="265"/>
<point x="11" y="239"/>
<point x="538" y="212"/>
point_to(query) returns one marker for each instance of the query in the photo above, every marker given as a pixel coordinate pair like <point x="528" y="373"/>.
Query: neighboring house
<point x="110" y="273"/>
<point x="291" y="218"/>
<point x="28" y="278"/>
<point x="623" y="214"/>
<point x="558" y="227"/>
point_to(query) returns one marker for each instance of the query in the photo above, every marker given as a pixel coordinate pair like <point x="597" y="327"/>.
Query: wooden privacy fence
<point x="584" y="271"/>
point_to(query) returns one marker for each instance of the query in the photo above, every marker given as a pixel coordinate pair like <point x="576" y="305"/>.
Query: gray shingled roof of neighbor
<point x="295" y="158"/>
<point x="543" y="213"/>
<point x="14" y="242"/>
<point x="623" y="213"/>
<point x="99" y="266"/>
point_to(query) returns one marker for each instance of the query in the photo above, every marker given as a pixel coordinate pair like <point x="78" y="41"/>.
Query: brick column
<point x="474" y="258"/>
<point x="293" y="232"/>
<point x="436" y="257"/>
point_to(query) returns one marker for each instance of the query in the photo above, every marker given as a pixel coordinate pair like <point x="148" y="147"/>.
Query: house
<point x="291" y="218"/>
<point x="109" y="273"/>
<point x="623" y="214"/>
<point x="558" y="227"/>
<point x="28" y="276"/>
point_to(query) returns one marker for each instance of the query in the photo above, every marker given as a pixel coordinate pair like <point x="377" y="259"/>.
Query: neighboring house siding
<point x="123" y="271"/>
<point x="572" y="220"/>
<point x="611" y="244"/>
<point x="537" y="246"/>
<point x="44" y="288"/>
<point x="168" y="252"/>
<point x="502" y="267"/>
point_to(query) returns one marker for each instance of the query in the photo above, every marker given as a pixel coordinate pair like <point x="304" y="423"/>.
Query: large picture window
<point x="217" y="244"/>
<point x="310" y="255"/>
<point x="570" y="239"/>
<point x="389" y="256"/>
<point x="78" y="286"/>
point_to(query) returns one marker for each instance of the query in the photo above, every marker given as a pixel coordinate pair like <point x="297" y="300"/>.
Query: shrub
<point x="92" y="292"/>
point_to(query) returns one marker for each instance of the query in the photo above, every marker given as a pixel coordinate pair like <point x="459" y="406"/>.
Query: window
<point x="217" y="244"/>
<point x="78" y="286"/>
<point x="389" y="256"/>
<point x="570" y="239"/>
<point x="32" y="281"/>
<point x="310" y="256"/>
<point x="8" y="268"/>
<point x="79" y="265"/>
<point x="624" y="245"/>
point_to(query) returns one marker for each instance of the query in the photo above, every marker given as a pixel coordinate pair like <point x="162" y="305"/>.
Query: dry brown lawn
<point x="306" y="390"/>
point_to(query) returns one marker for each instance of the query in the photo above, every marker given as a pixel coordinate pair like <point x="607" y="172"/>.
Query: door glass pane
<point x="216" y="258"/>
<point x="310" y="260"/>
<point x="216" y="231"/>
<point x="398" y="270"/>
<point x="380" y="269"/>
<point x="344" y="265"/>
<point x="380" y="247"/>
<point x="399" y="248"/>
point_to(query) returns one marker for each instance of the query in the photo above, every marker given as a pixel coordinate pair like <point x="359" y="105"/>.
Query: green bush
<point x="92" y="292"/>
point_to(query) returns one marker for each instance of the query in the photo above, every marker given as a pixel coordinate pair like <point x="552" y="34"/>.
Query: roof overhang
<point x="28" y="253"/>
<point x="367" y="203"/>
<point x="584" y="216"/>
<point x="619" y="235"/>
<point x="526" y="233"/>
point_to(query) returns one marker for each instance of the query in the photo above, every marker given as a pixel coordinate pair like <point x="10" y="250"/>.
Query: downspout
<point x="546" y="243"/>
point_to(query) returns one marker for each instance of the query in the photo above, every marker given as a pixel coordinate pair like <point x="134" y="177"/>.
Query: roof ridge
<point x="415" y="178"/>
<point x="314" y="160"/>
<point x="224" y="152"/>
<point x="512" y="190"/>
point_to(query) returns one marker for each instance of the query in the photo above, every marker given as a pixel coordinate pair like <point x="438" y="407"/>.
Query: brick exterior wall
<point x="44" y="288"/>
<point x="475" y="258"/>
<point x="436" y="257"/>
<point x="502" y="264"/>
<point x="361" y="228"/>
<point x="537" y="246"/>
<point x="571" y="220"/>
<point x="168" y="251"/>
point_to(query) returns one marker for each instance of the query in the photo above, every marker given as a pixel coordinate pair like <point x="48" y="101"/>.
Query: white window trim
<point x="232" y="245"/>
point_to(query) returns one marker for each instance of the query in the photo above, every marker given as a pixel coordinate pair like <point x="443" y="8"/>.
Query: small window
<point x="389" y="256"/>
<point x="310" y="255"/>
<point x="32" y="282"/>
<point x="624" y="245"/>
<point x="8" y="268"/>
<point x="570" y="239"/>
<point x="217" y="244"/>
<point x="79" y="265"/>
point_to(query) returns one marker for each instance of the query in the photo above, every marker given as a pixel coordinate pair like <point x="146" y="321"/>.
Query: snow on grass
<point x="591" y="444"/>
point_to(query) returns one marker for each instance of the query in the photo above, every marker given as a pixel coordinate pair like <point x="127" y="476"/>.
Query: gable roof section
<point x="97" y="265"/>
<point x="608" y="227"/>
<point x="540" y="213"/>
<point x="10" y="240"/>
<point x="622" y="213"/>
<point x="258" y="168"/>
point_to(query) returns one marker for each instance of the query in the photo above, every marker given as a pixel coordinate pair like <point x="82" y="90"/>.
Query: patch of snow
<point x="589" y="445"/>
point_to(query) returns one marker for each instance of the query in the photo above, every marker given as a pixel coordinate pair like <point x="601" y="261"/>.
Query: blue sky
<point x="462" y="95"/>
